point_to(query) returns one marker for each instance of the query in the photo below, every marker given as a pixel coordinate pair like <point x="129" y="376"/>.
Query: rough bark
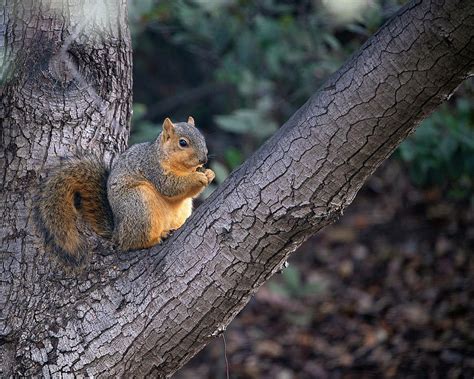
<point x="65" y="88"/>
<point x="148" y="312"/>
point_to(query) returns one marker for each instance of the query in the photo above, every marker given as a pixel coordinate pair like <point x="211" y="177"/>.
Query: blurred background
<point x="388" y="291"/>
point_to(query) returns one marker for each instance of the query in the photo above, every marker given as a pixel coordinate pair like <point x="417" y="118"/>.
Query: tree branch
<point x="149" y="312"/>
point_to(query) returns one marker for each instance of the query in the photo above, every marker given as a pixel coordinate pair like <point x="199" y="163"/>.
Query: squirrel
<point x="146" y="193"/>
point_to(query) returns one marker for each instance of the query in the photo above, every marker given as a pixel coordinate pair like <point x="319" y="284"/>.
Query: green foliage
<point x="292" y="284"/>
<point x="233" y="157"/>
<point x="269" y="56"/>
<point x="441" y="151"/>
<point x="143" y="129"/>
<point x="247" y="121"/>
<point x="255" y="47"/>
<point x="273" y="54"/>
<point x="220" y="170"/>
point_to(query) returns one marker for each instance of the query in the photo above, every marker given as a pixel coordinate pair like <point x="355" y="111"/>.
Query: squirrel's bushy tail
<point x="73" y="194"/>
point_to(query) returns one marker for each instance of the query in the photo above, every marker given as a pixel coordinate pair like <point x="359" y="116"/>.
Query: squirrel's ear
<point x="168" y="129"/>
<point x="191" y="121"/>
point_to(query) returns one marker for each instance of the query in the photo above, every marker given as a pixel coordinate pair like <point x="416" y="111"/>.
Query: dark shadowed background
<point x="388" y="290"/>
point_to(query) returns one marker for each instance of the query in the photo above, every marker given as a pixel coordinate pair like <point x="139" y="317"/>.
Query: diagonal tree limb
<point x="148" y="312"/>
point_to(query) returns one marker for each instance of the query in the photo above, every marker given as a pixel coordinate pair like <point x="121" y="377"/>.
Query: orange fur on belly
<point x="166" y="214"/>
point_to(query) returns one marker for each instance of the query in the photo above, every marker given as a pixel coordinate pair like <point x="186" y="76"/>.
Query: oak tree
<point x="66" y="90"/>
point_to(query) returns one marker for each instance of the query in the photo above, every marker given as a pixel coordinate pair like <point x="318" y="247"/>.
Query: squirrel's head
<point x="183" y="147"/>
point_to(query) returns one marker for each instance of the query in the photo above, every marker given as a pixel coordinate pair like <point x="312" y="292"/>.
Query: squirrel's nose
<point x="203" y="160"/>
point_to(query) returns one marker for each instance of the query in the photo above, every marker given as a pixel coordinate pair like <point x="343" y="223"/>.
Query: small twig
<point x="225" y="356"/>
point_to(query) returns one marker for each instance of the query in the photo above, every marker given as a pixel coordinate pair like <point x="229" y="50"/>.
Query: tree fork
<point x="149" y="312"/>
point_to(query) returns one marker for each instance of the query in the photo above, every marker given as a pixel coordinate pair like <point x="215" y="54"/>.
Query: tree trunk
<point x="148" y="312"/>
<point x="65" y="89"/>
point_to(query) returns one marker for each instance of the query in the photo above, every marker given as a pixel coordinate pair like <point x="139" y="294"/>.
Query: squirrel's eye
<point x="183" y="142"/>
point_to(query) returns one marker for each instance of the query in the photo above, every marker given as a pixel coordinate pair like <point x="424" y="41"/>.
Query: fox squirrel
<point x="146" y="193"/>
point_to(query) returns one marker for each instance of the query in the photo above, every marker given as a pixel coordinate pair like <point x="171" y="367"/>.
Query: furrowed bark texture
<point x="65" y="84"/>
<point x="148" y="312"/>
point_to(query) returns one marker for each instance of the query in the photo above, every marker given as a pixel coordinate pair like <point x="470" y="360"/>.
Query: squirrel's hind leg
<point x="138" y="218"/>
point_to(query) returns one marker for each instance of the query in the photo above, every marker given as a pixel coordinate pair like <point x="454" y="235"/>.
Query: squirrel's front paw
<point x="202" y="178"/>
<point x="210" y="175"/>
